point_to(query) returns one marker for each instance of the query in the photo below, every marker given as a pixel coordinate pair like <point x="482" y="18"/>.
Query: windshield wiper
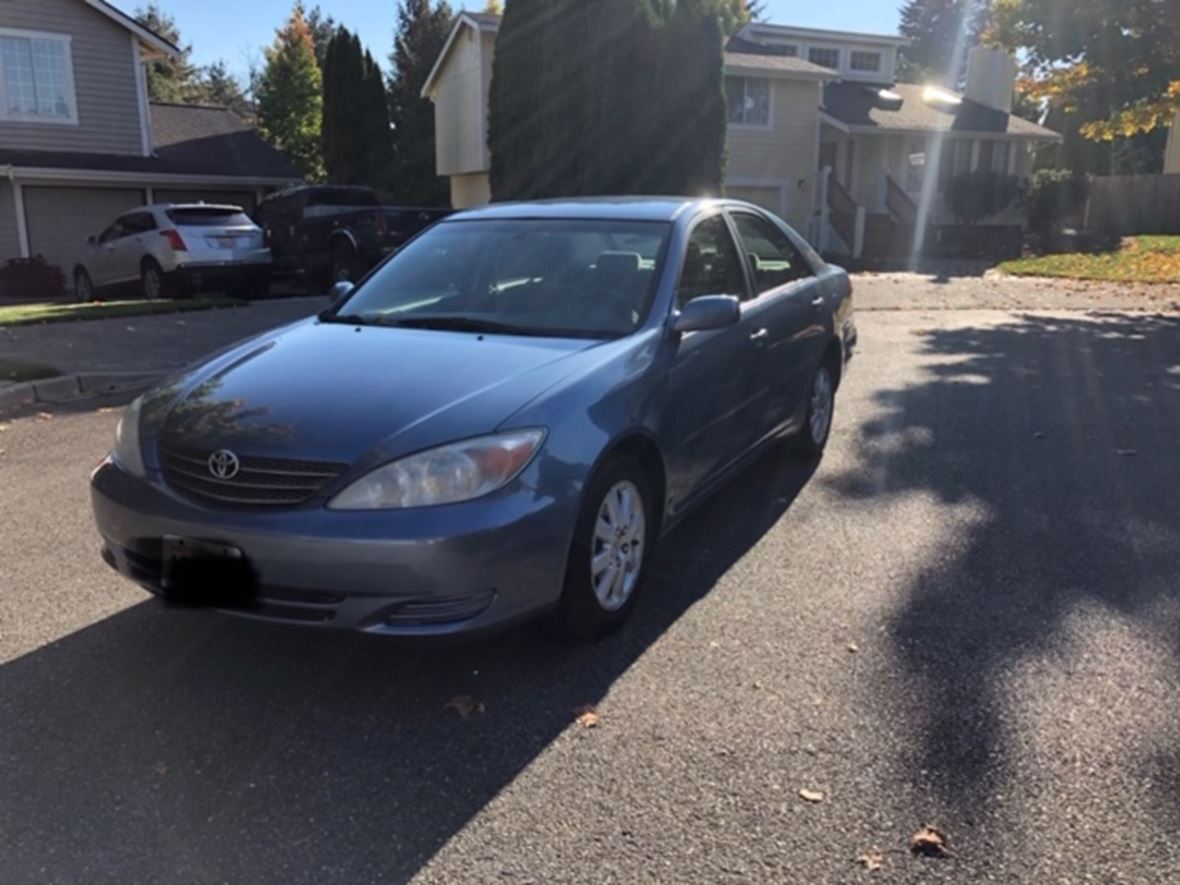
<point x="450" y="323"/>
<point x="349" y="319"/>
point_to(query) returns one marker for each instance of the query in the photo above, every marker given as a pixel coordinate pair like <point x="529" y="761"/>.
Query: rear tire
<point x="611" y="550"/>
<point x="153" y="283"/>
<point x="811" y="441"/>
<point x="83" y="286"/>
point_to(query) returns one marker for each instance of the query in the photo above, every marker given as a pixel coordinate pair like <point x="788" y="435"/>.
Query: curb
<point x="69" y="388"/>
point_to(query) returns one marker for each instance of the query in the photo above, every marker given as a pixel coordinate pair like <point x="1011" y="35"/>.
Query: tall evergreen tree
<point x="937" y="29"/>
<point x="567" y="115"/>
<point x="323" y="29"/>
<point x="356" y="134"/>
<point x="422" y="30"/>
<point x="217" y="86"/>
<point x="290" y="98"/>
<point x="168" y="79"/>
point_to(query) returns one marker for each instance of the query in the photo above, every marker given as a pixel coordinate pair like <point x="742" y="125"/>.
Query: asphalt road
<point x="967" y="615"/>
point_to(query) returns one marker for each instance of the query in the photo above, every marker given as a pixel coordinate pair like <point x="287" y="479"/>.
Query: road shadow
<point x="1060" y="436"/>
<point x="165" y="746"/>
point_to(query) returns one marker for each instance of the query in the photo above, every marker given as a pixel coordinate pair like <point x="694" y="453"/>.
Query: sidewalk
<point x="137" y="348"/>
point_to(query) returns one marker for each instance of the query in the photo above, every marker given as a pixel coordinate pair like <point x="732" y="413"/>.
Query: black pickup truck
<point x="328" y="232"/>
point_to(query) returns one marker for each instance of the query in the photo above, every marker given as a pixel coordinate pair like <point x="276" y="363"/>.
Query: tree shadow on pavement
<point x="164" y="746"/>
<point x="1058" y="436"/>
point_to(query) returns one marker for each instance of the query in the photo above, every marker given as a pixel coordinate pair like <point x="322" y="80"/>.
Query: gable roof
<point x="481" y="21"/>
<point x="190" y="140"/>
<point x="147" y="37"/>
<point x="856" y="107"/>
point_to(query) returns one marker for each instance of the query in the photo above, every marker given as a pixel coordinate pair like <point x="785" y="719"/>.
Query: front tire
<point x="821" y="407"/>
<point x="83" y="286"/>
<point x="611" y="549"/>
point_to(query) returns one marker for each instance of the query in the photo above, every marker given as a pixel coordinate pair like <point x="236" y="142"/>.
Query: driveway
<point x="965" y="616"/>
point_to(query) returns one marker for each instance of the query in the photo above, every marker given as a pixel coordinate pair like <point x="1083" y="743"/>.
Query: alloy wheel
<point x="617" y="549"/>
<point x="822" y="395"/>
<point x="152" y="284"/>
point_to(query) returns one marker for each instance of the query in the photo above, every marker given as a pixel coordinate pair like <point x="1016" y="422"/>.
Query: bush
<point x="32" y="278"/>
<point x="1056" y="200"/>
<point x="977" y="196"/>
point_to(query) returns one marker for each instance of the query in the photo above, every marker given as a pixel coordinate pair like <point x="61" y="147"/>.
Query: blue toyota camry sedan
<point x="500" y="420"/>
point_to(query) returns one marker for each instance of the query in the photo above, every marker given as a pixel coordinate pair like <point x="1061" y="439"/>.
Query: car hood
<point x="334" y="392"/>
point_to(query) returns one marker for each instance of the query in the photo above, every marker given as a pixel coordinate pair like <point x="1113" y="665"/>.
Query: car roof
<point x="600" y="208"/>
<point x="220" y="207"/>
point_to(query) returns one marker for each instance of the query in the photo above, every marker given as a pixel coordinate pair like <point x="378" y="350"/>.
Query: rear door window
<point x="773" y="259"/>
<point x="209" y="217"/>
<point x="138" y="223"/>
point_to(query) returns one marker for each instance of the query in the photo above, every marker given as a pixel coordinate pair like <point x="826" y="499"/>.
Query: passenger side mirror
<point x="707" y="313"/>
<point x="341" y="290"/>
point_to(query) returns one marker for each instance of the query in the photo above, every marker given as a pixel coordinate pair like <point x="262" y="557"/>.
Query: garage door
<point x="769" y="198"/>
<point x="61" y="218"/>
<point x="245" y="199"/>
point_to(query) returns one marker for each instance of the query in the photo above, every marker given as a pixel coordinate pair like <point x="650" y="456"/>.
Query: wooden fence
<point x="1125" y="205"/>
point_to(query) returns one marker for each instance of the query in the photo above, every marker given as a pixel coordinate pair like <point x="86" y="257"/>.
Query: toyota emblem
<point x="224" y="464"/>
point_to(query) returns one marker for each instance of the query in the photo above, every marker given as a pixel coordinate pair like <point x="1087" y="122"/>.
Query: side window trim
<point x="744" y="297"/>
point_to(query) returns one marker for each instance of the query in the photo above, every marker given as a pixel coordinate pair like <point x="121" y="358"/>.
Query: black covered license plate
<point x="207" y="573"/>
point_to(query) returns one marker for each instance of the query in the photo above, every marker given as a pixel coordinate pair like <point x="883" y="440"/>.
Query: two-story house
<point x="819" y="130"/>
<point x="80" y="142"/>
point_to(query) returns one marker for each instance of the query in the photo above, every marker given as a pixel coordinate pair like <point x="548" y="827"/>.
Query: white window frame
<point x="840" y="55"/>
<point x="758" y="127"/>
<point x="853" y="69"/>
<point x="71" y="87"/>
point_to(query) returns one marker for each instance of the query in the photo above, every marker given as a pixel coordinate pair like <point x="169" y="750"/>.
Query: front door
<point x="790" y="300"/>
<point x="715" y="397"/>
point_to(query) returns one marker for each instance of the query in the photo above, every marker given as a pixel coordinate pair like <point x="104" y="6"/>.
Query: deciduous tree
<point x="290" y="99"/>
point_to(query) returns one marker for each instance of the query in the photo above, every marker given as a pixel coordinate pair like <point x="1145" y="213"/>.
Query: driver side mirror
<point x="341" y="290"/>
<point x="707" y="313"/>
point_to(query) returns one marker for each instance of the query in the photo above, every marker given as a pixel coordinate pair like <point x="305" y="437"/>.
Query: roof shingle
<point x="856" y="105"/>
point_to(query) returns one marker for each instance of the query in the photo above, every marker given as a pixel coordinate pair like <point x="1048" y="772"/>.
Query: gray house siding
<point x="104" y="81"/>
<point x="9" y="238"/>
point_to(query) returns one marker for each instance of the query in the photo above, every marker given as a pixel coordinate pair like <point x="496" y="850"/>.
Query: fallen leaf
<point x="813" y="796"/>
<point x="1126" y="453"/>
<point x="3" y="427"/>
<point x="105" y="409"/>
<point x="160" y="768"/>
<point x="872" y="860"/>
<point x="587" y="717"/>
<point x="465" y="705"/>
<point x="44" y="416"/>
<point x="929" y="842"/>
<point x="1038" y="435"/>
<point x="853" y="648"/>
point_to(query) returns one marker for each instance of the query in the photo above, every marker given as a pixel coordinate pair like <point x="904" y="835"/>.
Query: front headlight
<point x="127" y="453"/>
<point x="446" y="475"/>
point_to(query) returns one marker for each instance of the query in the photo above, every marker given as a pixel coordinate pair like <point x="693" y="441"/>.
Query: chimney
<point x="991" y="78"/>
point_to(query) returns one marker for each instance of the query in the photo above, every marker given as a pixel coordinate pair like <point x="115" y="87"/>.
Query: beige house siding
<point x="784" y="153"/>
<point x="1172" y="158"/>
<point x="9" y="237"/>
<point x="460" y="102"/>
<point x="470" y="190"/>
<point x="103" y="58"/>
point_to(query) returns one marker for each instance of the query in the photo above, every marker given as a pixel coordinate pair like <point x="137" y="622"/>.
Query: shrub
<point x="32" y="278"/>
<point x="1056" y="199"/>
<point x="977" y="196"/>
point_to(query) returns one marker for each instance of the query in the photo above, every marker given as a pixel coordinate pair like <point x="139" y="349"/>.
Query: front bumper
<point x="459" y="569"/>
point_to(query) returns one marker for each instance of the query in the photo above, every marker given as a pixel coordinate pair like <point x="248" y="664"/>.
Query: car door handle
<point x="819" y="302"/>
<point x="760" y="336"/>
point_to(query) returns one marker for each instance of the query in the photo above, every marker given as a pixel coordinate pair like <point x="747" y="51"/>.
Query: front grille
<point x="260" y="482"/>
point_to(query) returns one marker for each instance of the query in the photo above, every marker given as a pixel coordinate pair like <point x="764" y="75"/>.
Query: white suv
<point x="173" y="250"/>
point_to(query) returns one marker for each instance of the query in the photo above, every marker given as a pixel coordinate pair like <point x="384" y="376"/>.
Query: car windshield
<point x="559" y="278"/>
<point x="209" y="217"/>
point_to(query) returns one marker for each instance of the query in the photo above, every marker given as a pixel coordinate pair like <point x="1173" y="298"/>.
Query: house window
<point x="869" y="62"/>
<point x="36" y="77"/>
<point x="825" y="58"/>
<point x="748" y="99"/>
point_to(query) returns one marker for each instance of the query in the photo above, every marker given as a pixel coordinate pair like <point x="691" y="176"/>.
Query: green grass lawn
<point x="26" y="314"/>
<point x="10" y="370"/>
<point x="1139" y="260"/>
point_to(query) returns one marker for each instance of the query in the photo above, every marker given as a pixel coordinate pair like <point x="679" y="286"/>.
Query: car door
<point x="131" y="246"/>
<point x="714" y="398"/>
<point x="789" y="301"/>
<point x="101" y="258"/>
